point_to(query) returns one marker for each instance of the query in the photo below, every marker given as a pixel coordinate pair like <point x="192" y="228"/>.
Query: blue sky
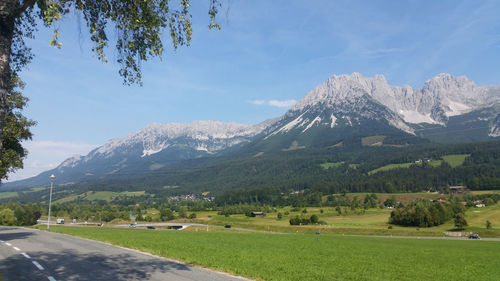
<point x="267" y="55"/>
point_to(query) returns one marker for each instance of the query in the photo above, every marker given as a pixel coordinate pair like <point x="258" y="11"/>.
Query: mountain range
<point x="340" y="112"/>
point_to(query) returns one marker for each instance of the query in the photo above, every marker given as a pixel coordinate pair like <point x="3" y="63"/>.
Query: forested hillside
<point x="258" y="177"/>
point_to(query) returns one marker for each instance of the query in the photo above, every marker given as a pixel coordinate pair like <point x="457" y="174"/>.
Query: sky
<point x="267" y="56"/>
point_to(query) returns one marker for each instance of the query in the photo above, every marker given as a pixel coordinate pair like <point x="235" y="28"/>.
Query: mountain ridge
<point x="341" y="109"/>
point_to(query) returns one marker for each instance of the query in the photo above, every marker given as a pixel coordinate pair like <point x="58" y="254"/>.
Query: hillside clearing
<point x="454" y="160"/>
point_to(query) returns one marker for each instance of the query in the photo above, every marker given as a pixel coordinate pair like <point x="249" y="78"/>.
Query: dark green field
<point x="312" y="257"/>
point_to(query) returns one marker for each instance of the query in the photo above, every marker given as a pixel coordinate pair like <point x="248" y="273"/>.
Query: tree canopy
<point x="138" y="27"/>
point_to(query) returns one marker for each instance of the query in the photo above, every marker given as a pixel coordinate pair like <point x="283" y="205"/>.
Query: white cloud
<point x="275" y="103"/>
<point x="257" y="102"/>
<point x="46" y="155"/>
<point x="284" y="103"/>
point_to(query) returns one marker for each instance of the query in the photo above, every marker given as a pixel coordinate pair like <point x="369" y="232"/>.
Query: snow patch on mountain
<point x="334" y="121"/>
<point x="316" y="120"/>
<point x="205" y="136"/>
<point x="156" y="137"/>
<point x="495" y="128"/>
<point x="292" y="124"/>
<point x="71" y="162"/>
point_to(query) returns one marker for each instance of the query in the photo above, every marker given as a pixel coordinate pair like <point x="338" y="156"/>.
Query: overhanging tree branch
<point x="26" y="4"/>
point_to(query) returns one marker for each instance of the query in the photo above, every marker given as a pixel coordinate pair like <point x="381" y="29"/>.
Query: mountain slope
<point x="151" y="148"/>
<point x="348" y="107"/>
<point x="342" y="111"/>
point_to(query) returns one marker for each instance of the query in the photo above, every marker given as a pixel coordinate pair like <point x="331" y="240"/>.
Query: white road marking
<point x="8" y="244"/>
<point x="52" y="278"/>
<point x="26" y="256"/>
<point x="38" y="265"/>
<point x="16" y="248"/>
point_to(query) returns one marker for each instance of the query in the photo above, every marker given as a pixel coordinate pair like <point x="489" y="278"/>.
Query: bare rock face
<point x="441" y="97"/>
<point x="208" y="136"/>
<point x="495" y="128"/>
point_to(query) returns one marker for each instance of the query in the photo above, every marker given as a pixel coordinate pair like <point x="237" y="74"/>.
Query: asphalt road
<point x="28" y="254"/>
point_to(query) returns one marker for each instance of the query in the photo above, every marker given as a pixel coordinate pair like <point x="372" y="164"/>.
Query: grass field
<point x="35" y="189"/>
<point x="485" y="192"/>
<point x="372" y="221"/>
<point x="390" y="167"/>
<point x="312" y="257"/>
<point x="477" y="217"/>
<point x="373" y="140"/>
<point x="99" y="195"/>
<point x="454" y="160"/>
<point x="294" y="146"/>
<point x="4" y="195"/>
<point x="328" y="165"/>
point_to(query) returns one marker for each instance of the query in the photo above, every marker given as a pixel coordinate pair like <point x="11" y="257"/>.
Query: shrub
<point x="314" y="219"/>
<point x="7" y="217"/>
<point x="300" y="221"/>
<point x="488" y="225"/>
<point x="280" y="216"/>
<point x="489" y="202"/>
<point x="295" y="220"/>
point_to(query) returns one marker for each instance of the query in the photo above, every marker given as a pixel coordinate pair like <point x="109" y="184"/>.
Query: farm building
<point x="257" y="214"/>
<point x="457" y="189"/>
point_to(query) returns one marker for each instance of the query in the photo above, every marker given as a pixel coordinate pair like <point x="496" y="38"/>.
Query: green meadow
<point x="311" y="257"/>
<point x="454" y="160"/>
<point x="372" y="221"/>
<point x="328" y="165"/>
<point x="4" y="195"/>
<point x="99" y="195"/>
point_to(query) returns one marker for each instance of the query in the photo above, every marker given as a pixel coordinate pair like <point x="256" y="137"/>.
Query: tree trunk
<point x="8" y="10"/>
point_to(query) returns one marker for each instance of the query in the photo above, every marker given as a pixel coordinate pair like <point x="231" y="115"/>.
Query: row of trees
<point x="425" y="213"/>
<point x="298" y="220"/>
<point x="18" y="214"/>
<point x="246" y="209"/>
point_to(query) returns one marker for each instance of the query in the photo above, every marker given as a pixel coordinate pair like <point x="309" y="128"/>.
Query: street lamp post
<point x="52" y="177"/>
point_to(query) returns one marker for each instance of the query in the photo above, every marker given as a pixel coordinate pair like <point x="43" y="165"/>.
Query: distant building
<point x="457" y="189"/>
<point x="257" y="214"/>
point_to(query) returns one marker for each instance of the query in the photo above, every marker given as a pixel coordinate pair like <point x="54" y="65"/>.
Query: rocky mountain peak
<point x="441" y="97"/>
